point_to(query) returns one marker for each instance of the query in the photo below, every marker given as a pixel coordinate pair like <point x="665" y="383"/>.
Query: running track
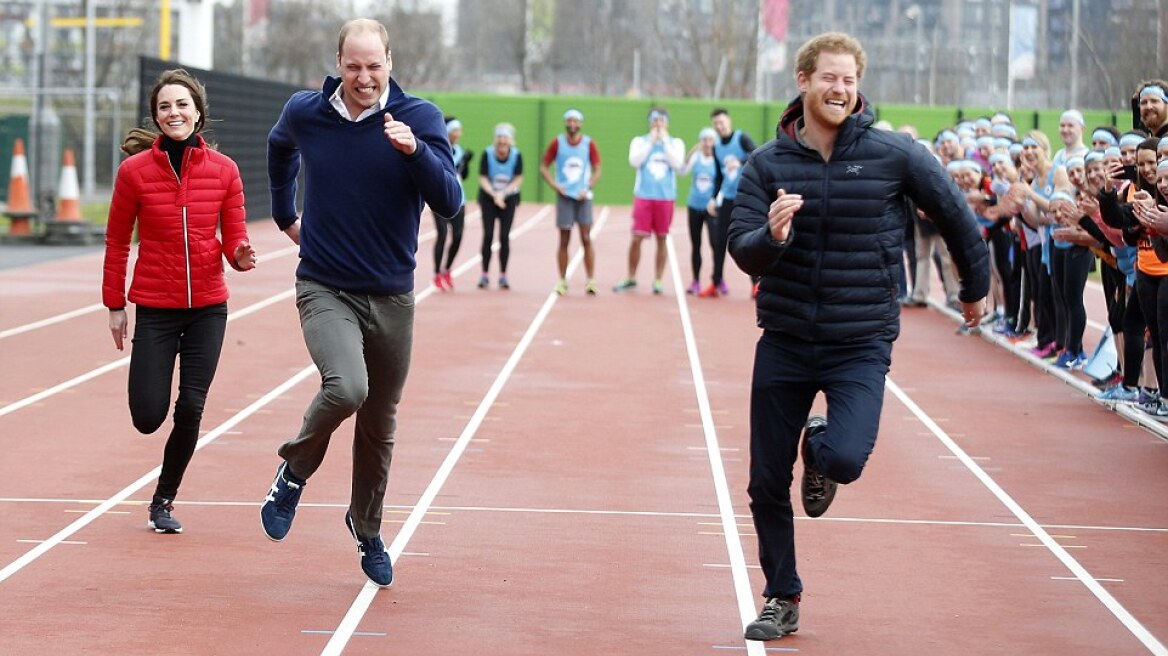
<point x="569" y="479"/>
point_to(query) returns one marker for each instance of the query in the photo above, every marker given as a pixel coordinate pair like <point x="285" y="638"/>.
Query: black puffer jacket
<point x="836" y="277"/>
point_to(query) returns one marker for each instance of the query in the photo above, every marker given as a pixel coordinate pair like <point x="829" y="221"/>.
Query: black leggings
<point x="195" y="337"/>
<point x="719" y="236"/>
<point x="1153" y="293"/>
<point x="1134" y="343"/>
<point x="697" y="219"/>
<point x="456" y="224"/>
<point x="505" y="216"/>
<point x="1069" y="270"/>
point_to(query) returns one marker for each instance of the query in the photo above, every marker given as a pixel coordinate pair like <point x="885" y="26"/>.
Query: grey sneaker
<point x="779" y="617"/>
<point x="818" y="491"/>
<point x="160" y="518"/>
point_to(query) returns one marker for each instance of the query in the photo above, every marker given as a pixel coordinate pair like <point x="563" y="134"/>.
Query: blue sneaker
<point x="1064" y="360"/>
<point x="1120" y="394"/>
<point x="374" y="558"/>
<point x="1080" y="360"/>
<point x="280" y="505"/>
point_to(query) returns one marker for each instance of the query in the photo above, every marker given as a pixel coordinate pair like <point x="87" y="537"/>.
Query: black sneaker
<point x="818" y="490"/>
<point x="374" y="558"/>
<point x="779" y="617"/>
<point x="160" y="518"/>
<point x="279" y="506"/>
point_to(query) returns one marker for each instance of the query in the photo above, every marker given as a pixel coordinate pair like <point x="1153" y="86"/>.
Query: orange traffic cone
<point x="69" y="191"/>
<point x="20" y="208"/>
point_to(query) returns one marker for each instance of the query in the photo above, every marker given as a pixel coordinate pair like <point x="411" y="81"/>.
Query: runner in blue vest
<point x="462" y="158"/>
<point x="740" y="145"/>
<point x="700" y="203"/>
<point x="500" y="177"/>
<point x="577" y="169"/>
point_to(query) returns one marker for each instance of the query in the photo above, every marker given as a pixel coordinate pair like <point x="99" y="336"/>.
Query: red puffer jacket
<point x="179" y="252"/>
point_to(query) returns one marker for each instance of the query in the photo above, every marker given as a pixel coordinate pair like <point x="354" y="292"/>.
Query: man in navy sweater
<point x="375" y="154"/>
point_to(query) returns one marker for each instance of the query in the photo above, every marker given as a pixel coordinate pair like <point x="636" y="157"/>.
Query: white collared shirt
<point x="338" y="102"/>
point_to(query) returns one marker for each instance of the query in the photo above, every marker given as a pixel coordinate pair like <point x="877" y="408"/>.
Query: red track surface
<point x="558" y="457"/>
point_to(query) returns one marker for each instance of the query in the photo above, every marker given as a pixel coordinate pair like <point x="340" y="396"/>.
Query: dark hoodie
<point x="836" y="277"/>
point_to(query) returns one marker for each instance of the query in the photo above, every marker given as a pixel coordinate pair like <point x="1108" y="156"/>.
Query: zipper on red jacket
<point x="186" y="234"/>
<point x="187" y="259"/>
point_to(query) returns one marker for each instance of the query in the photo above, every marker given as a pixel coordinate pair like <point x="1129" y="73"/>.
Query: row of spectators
<point x="1050" y="218"/>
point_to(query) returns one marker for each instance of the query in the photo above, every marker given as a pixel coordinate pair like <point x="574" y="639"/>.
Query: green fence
<point x="613" y="122"/>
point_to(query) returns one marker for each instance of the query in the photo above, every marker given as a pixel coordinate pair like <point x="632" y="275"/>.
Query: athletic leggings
<point x="195" y="337"/>
<point x="1153" y="293"/>
<point x="697" y="219"/>
<point x="456" y="224"/>
<point x="1001" y="243"/>
<point x="1069" y="270"/>
<point x="1044" y="320"/>
<point x="1134" y="343"/>
<point x="505" y="216"/>
<point x="719" y="237"/>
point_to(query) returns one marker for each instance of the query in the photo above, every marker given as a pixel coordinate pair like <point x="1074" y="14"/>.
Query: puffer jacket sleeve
<point x="751" y="244"/>
<point x="233" y="216"/>
<point x="935" y="192"/>
<point x="123" y="212"/>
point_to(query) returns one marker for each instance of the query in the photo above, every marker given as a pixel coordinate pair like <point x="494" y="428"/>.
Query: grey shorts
<point x="569" y="211"/>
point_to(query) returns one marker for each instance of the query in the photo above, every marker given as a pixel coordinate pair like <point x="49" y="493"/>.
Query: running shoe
<point x="754" y="291"/>
<point x="1157" y="408"/>
<point x="439" y="282"/>
<point x="1080" y="360"/>
<point x="562" y="287"/>
<point x="818" y="490"/>
<point x="711" y="291"/>
<point x="375" y="560"/>
<point x="503" y="282"/>
<point x="448" y="279"/>
<point x="779" y="617"/>
<point x="1107" y="382"/>
<point x="161" y="519"/>
<point x="1065" y="360"/>
<point x="624" y="285"/>
<point x="279" y="507"/>
<point x="658" y="287"/>
<point x="484" y="281"/>
<point x="723" y="288"/>
<point x="694" y="288"/>
<point x="1119" y="394"/>
<point x="590" y="288"/>
<point x="1044" y="351"/>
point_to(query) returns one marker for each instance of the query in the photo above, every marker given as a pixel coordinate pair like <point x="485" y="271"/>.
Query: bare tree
<point x="415" y="37"/>
<point x="703" y="53"/>
<point x="301" y="42"/>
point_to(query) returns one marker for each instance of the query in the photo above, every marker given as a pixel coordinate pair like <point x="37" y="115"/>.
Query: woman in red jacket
<point x="181" y="194"/>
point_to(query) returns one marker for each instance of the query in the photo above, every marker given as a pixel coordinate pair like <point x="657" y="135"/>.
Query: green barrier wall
<point x="613" y="122"/>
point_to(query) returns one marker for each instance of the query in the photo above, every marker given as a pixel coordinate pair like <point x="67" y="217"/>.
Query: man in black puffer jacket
<point x="820" y="218"/>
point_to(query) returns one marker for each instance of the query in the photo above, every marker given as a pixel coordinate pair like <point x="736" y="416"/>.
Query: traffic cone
<point x="69" y="191"/>
<point x="20" y="208"/>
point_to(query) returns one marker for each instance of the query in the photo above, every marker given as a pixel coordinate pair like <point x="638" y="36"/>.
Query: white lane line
<point x="235" y="314"/>
<point x="105" y="506"/>
<point x="121" y="497"/>
<point x="741" y="578"/>
<point x="1059" y="551"/>
<point x="364" y="599"/>
<point x="73" y="314"/>
<point x="121" y="362"/>
<point x="64" y="316"/>
<point x="446" y="510"/>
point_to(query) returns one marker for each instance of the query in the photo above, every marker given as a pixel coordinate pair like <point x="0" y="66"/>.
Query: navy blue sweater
<point x="362" y="198"/>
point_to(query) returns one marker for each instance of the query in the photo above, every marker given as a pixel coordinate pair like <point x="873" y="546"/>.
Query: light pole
<point x="913" y="13"/>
